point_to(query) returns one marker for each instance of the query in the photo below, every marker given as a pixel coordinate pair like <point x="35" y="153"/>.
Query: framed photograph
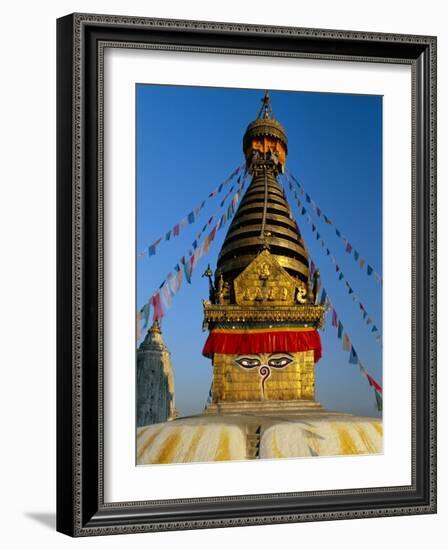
<point x="246" y="274"/>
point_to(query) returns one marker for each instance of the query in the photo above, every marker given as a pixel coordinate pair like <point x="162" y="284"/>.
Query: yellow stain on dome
<point x="275" y="448"/>
<point x="366" y="441"/>
<point x="191" y="452"/>
<point x="168" y="450"/>
<point x="148" y="442"/>
<point x="223" y="450"/>
<point x="346" y="443"/>
<point x="378" y="427"/>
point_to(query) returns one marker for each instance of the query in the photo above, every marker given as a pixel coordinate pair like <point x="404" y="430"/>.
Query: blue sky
<point x="189" y="140"/>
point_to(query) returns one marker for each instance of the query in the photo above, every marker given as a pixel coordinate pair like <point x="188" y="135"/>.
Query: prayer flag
<point x="156" y="304"/>
<point x="346" y="342"/>
<point x="172" y="283"/>
<point x="213" y="233"/>
<point x="361" y="263"/>
<point x="191" y="217"/>
<point x="318" y="210"/>
<point x="145" y="314"/>
<point x="374" y="384"/>
<point x="166" y="296"/>
<point x="348" y="248"/>
<point x="374" y="329"/>
<point x="356" y="255"/>
<point x="168" y="235"/>
<point x="311" y="267"/>
<point x="221" y="221"/>
<point x="338" y="233"/>
<point x="308" y="198"/>
<point x="152" y="250"/>
<point x="179" y="279"/>
<point x="379" y="401"/>
<point x="323" y="296"/>
<point x="341" y="276"/>
<point x="340" y="330"/>
<point x="369" y="270"/>
<point x="334" y="318"/>
<point x="353" y="357"/>
<point x="187" y="270"/>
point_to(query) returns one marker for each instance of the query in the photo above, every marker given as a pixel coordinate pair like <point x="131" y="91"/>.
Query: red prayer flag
<point x="157" y="305"/>
<point x="374" y="384"/>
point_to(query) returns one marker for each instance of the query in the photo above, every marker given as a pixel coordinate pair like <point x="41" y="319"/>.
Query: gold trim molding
<point x="306" y="314"/>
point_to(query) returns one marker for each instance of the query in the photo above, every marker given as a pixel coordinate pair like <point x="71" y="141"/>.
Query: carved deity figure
<point x="223" y="291"/>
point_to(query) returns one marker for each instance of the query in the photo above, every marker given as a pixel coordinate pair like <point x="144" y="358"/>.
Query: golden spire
<point x="263" y="219"/>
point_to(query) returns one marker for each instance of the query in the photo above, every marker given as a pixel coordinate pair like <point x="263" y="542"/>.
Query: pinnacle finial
<point x="266" y="109"/>
<point x="155" y="327"/>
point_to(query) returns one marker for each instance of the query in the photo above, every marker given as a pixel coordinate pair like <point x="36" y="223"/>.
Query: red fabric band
<point x="239" y="343"/>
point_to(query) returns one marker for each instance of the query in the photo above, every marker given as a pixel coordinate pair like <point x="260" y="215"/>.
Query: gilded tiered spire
<point x="263" y="219"/>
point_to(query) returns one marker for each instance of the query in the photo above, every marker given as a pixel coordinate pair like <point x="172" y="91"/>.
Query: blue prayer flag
<point x="353" y="357"/>
<point x="323" y="296"/>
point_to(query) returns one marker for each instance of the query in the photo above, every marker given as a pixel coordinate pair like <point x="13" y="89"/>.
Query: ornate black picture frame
<point x="81" y="509"/>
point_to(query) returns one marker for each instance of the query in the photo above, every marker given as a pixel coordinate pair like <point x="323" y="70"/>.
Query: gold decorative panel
<point x="264" y="281"/>
<point x="264" y="381"/>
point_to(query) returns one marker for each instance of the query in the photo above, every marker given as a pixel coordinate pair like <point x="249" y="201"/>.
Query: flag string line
<point x="160" y="300"/>
<point x="347" y="346"/>
<point x="359" y="260"/>
<point x="355" y="298"/>
<point x="188" y="219"/>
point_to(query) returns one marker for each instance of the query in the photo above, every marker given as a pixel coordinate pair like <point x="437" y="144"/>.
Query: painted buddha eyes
<point x="248" y="362"/>
<point x="279" y="362"/>
<point x="253" y="362"/>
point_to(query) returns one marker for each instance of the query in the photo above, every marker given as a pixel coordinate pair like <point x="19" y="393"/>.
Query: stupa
<point x="155" y="380"/>
<point x="263" y="319"/>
